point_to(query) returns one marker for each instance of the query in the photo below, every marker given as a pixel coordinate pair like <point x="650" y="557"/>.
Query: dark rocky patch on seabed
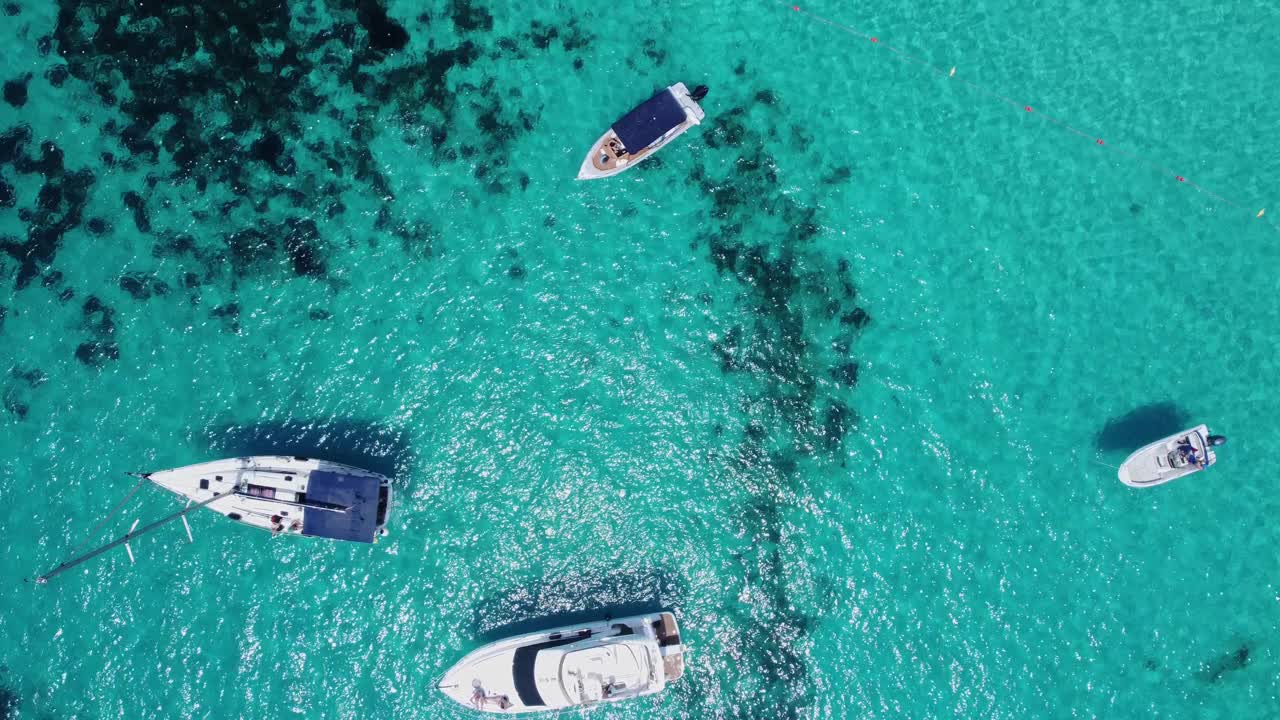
<point x="797" y="348"/>
<point x="15" y="91"/>
<point x="142" y="286"/>
<point x="99" y="320"/>
<point x="8" y="702"/>
<point x="17" y="395"/>
<point x="1231" y="662"/>
<point x="58" y="205"/>
<point x="230" y="316"/>
<point x="762" y="238"/>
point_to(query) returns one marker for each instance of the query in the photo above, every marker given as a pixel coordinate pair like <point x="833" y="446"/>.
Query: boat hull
<point x="1157" y="463"/>
<point x="492" y="678"/>
<point x="279" y="494"/>
<point x="601" y="162"/>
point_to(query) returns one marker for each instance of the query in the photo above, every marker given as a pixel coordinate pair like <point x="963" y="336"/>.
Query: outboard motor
<point x="1216" y="440"/>
<point x="698" y="93"/>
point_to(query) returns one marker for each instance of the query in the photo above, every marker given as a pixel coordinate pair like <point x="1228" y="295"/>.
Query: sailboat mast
<point x="126" y="538"/>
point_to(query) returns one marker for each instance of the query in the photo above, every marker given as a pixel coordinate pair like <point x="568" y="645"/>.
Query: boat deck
<point x="610" y="155"/>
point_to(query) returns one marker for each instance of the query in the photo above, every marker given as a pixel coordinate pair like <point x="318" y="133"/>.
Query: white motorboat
<point x="288" y="495"/>
<point x="570" y="667"/>
<point x="1178" y="455"/>
<point x="641" y="132"/>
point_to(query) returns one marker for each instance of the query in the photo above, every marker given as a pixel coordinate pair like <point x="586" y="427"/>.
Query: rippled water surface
<point x="839" y="377"/>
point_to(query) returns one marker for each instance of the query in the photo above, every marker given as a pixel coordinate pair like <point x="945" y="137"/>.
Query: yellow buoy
<point x="953" y="73"/>
<point x="1262" y="212"/>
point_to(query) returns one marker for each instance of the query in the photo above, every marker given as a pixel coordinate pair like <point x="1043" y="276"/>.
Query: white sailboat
<point x="288" y="495"/>
<point x="285" y="495"/>
<point x="575" y="666"/>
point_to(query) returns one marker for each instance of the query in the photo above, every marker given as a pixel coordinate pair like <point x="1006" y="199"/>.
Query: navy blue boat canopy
<point x="522" y="664"/>
<point x="354" y="506"/>
<point x="650" y="121"/>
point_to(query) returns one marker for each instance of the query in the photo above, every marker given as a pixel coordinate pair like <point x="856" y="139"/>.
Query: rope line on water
<point x="908" y="58"/>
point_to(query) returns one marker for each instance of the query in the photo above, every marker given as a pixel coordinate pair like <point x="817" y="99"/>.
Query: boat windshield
<point x="524" y="664"/>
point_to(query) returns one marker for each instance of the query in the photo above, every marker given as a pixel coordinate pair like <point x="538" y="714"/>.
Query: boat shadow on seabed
<point x="362" y="444"/>
<point x="574" y="598"/>
<point x="1141" y="426"/>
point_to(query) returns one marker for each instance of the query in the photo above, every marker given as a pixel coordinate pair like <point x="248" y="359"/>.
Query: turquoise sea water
<point x="837" y="377"/>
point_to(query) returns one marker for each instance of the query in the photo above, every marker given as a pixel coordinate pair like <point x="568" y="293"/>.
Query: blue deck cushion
<point x="359" y="493"/>
<point x="648" y="122"/>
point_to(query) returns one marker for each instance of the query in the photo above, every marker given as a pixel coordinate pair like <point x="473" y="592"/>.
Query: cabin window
<point x="204" y="483"/>
<point x="288" y="478"/>
<point x="218" y="478"/>
<point x="261" y="491"/>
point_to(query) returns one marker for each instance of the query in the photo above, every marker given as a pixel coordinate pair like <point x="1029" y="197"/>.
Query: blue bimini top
<point x="649" y="121"/>
<point x="348" y="506"/>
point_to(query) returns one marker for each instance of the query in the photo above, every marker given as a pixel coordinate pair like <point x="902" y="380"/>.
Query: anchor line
<point x="908" y="58"/>
<point x="142" y="481"/>
<point x="123" y="539"/>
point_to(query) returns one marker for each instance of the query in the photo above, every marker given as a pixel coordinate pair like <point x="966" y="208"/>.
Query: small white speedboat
<point x="288" y="495"/>
<point x="1178" y="455"/>
<point x="570" y="667"/>
<point x="643" y="131"/>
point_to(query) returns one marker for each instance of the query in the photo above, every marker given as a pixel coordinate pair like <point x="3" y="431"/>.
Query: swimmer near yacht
<point x="1181" y="454"/>
<point x="643" y="131"/>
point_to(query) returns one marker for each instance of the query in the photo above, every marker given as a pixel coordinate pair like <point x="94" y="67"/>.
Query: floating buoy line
<point x="950" y="74"/>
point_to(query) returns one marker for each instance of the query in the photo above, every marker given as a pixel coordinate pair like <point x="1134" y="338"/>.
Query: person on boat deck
<point x="277" y="525"/>
<point x="1189" y="453"/>
<point x="479" y="699"/>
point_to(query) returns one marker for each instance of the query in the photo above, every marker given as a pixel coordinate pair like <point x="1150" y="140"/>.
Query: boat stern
<point x="670" y="648"/>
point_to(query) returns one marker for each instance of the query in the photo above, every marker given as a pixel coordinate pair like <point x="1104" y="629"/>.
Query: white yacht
<point x="641" y="132"/>
<point x="288" y="495"/>
<point x="1178" y="455"/>
<point x="570" y="667"/>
